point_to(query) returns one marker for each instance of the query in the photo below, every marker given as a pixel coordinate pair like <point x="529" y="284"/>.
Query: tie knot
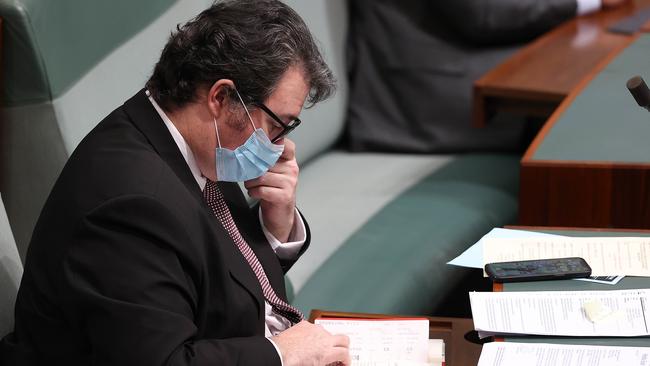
<point x="212" y="195"/>
<point x="211" y="184"/>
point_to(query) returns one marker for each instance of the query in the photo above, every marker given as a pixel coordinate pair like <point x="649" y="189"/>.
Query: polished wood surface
<point x="535" y="80"/>
<point x="458" y="351"/>
<point x="582" y="193"/>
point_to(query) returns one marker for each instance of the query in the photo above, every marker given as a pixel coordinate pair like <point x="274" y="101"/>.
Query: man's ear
<point x="218" y="96"/>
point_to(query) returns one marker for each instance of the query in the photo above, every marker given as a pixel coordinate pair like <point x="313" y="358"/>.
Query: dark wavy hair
<point x="252" y="42"/>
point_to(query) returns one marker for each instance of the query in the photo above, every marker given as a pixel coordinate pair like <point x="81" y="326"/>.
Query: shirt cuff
<point x="297" y="238"/>
<point x="588" y="6"/>
<point x="278" y="350"/>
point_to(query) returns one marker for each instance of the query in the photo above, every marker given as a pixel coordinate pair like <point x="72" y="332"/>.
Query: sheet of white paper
<point x="545" y="354"/>
<point x="560" y="313"/>
<point x="383" y="342"/>
<point x="473" y="256"/>
<point x="606" y="256"/>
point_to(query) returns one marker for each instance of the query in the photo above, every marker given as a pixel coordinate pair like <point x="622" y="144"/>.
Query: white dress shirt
<point x="588" y="6"/>
<point x="274" y="323"/>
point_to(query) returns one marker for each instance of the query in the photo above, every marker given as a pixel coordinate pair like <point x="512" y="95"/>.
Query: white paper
<point x="606" y="256"/>
<point x="544" y="354"/>
<point x="473" y="256"/>
<point x="383" y="342"/>
<point x="560" y="313"/>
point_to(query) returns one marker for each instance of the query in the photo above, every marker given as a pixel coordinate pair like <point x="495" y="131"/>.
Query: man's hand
<point x="309" y="344"/>
<point x="609" y="4"/>
<point x="276" y="191"/>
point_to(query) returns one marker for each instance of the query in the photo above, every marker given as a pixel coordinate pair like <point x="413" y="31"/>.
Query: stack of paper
<point x="562" y="313"/>
<point x="543" y="354"/>
<point x="621" y="313"/>
<point x="388" y="342"/>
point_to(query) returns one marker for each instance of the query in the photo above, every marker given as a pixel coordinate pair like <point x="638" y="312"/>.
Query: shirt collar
<point x="181" y="143"/>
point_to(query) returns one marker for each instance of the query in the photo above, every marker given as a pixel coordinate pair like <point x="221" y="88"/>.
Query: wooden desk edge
<point x="528" y="156"/>
<point x="318" y="313"/>
<point x="573" y="228"/>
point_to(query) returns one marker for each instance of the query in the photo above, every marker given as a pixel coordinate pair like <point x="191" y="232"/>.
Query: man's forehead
<point x="288" y="98"/>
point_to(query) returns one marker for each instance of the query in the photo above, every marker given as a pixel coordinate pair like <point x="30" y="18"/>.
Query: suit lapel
<point x="145" y="117"/>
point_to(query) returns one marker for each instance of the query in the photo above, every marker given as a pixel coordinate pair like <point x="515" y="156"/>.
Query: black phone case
<point x="535" y="277"/>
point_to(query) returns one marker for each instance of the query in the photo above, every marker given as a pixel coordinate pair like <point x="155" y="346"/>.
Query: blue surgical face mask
<point x="249" y="161"/>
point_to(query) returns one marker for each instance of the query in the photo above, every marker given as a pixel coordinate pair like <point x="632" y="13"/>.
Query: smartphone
<point x="538" y="269"/>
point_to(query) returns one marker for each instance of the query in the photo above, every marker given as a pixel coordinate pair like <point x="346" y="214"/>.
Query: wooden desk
<point x="458" y="351"/>
<point x="535" y="80"/>
<point x="590" y="164"/>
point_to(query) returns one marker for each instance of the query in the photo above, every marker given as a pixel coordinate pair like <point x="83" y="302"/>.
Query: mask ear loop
<point x="217" y="130"/>
<point x="246" y="109"/>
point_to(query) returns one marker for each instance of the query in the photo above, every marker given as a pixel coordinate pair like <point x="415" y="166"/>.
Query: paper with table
<point x="545" y="354"/>
<point x="387" y="342"/>
<point x="562" y="313"/>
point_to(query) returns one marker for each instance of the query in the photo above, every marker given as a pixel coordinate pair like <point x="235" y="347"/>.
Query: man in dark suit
<point x="413" y="63"/>
<point x="146" y="252"/>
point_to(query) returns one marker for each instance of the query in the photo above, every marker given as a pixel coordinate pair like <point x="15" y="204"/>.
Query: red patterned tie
<point x="215" y="200"/>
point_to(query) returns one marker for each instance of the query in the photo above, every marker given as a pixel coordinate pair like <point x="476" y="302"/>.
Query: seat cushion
<point x="395" y="262"/>
<point x="339" y="191"/>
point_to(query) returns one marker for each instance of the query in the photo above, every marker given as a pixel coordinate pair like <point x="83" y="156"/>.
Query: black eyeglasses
<point x="286" y="128"/>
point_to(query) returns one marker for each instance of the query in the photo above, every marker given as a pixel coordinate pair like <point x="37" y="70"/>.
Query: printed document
<point x="606" y="256"/>
<point x="383" y="342"/>
<point x="545" y="354"/>
<point x="621" y="313"/>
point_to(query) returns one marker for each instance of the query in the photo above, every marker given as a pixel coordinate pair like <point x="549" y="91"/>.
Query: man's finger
<point x="286" y="167"/>
<point x="341" y="340"/>
<point x="269" y="194"/>
<point x="338" y="354"/>
<point x="269" y="179"/>
<point x="289" y="152"/>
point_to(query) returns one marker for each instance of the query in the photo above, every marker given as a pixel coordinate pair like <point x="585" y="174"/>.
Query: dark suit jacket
<point x="412" y="64"/>
<point x="128" y="266"/>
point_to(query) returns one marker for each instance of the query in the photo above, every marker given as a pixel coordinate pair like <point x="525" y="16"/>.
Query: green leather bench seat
<point x="395" y="263"/>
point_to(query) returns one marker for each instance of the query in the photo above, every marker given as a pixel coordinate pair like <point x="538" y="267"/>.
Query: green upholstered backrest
<point x="604" y="123"/>
<point x="49" y="45"/>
